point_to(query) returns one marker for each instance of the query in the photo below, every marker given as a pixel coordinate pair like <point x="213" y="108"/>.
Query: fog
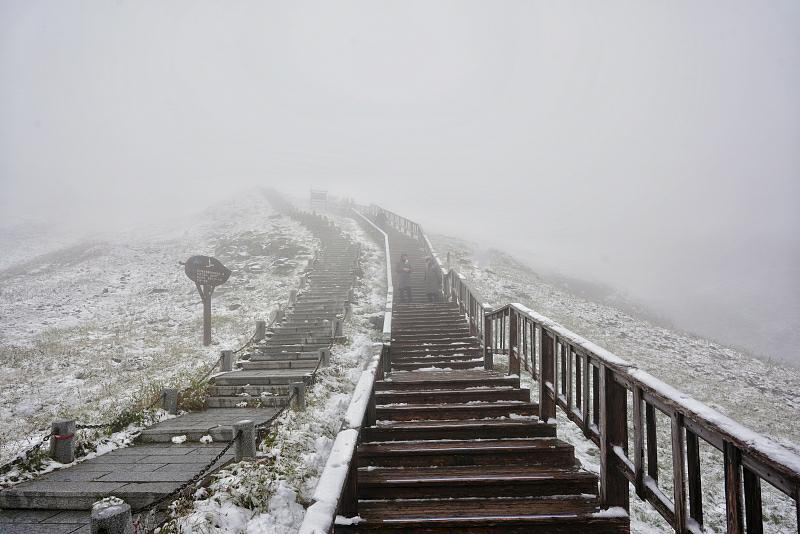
<point x="650" y="146"/>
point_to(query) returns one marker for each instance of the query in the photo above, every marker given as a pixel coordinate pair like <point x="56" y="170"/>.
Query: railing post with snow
<point x="488" y="355"/>
<point x="513" y="348"/>
<point x="169" y="400"/>
<point x="547" y="404"/>
<point x="244" y="432"/>
<point x="261" y="331"/>
<point x="227" y="361"/>
<point x="614" y="433"/>
<point x="111" y="516"/>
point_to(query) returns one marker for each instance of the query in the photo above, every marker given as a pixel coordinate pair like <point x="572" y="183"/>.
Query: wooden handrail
<point x="591" y="385"/>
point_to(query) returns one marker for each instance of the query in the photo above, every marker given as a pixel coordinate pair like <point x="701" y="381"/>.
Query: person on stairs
<point x="433" y="280"/>
<point x="404" y="279"/>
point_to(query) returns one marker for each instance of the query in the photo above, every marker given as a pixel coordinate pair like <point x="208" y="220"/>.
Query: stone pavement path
<point x="140" y="475"/>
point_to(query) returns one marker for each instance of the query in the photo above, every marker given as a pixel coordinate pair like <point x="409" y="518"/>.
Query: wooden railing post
<point x="678" y="434"/>
<point x="694" y="477"/>
<point x="752" y="503"/>
<point x="547" y="404"/>
<point x="488" y="354"/>
<point x="513" y="343"/>
<point x="638" y="442"/>
<point x="613" y="432"/>
<point x="733" y="488"/>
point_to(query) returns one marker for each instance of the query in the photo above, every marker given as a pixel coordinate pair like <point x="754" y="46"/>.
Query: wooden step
<point x="539" y="515"/>
<point x="519" y="452"/>
<point x="433" y="412"/>
<point x="476" y="481"/>
<point x="426" y="380"/>
<point x="441" y="363"/>
<point x="444" y="396"/>
<point x="459" y="429"/>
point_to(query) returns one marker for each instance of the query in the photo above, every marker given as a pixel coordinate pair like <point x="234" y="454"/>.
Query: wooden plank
<point x="694" y="477"/>
<point x="595" y="395"/>
<point x="578" y="380"/>
<point x="569" y="374"/>
<point x="638" y="443"/>
<point x="652" y="441"/>
<point x="678" y="434"/>
<point x="564" y="357"/>
<point x="585" y="407"/>
<point x="513" y="343"/>
<point x="752" y="503"/>
<point x="488" y="345"/>
<point x="613" y="433"/>
<point x="547" y="405"/>
<point x="733" y="488"/>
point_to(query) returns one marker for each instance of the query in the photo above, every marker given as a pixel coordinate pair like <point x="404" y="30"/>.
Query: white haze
<point x="650" y="146"/>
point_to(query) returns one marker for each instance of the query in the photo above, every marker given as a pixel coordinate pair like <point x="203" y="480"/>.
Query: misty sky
<point x="652" y="146"/>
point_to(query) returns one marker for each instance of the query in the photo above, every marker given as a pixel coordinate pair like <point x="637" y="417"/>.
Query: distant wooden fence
<point x="593" y="387"/>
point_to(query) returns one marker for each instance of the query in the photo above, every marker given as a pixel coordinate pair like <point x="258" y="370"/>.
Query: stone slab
<point x="210" y="422"/>
<point x="139" y="475"/>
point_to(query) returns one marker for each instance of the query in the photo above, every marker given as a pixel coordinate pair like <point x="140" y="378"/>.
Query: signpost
<point x="206" y="273"/>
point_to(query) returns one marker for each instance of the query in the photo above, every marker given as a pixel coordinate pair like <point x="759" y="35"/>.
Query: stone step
<point x="280" y="364"/>
<point x="272" y="401"/>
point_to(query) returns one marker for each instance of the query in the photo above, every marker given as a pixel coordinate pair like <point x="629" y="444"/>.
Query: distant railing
<point x="593" y="387"/>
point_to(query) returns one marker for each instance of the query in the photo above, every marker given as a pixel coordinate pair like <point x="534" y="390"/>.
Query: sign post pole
<point x="206" y="273"/>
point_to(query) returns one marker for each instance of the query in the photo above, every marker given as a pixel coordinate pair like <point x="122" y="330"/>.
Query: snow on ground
<point x="269" y="495"/>
<point x="87" y="328"/>
<point x="762" y="395"/>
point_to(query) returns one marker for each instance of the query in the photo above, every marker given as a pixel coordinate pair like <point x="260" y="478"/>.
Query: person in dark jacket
<point x="404" y="278"/>
<point x="433" y="280"/>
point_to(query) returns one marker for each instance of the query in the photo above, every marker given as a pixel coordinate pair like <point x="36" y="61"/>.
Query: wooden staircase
<point x="457" y="448"/>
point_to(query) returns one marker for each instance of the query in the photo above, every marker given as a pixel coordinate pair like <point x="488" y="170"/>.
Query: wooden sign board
<point x="206" y="270"/>
<point x="206" y="273"/>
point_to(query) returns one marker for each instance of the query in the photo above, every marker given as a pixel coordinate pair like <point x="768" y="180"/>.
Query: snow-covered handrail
<point x="335" y="493"/>
<point x="591" y="385"/>
<point x="387" y="318"/>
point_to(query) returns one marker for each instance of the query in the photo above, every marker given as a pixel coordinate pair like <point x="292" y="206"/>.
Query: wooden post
<point x="568" y="373"/>
<point x="652" y="442"/>
<point x="205" y="296"/>
<point x="595" y="394"/>
<point x="638" y="442"/>
<point x="488" y="355"/>
<point x="348" y="504"/>
<point x="694" y="477"/>
<point x="513" y="343"/>
<point x="547" y="405"/>
<point x="752" y="503"/>
<point x="613" y="432"/>
<point x="679" y="473"/>
<point x="733" y="488"/>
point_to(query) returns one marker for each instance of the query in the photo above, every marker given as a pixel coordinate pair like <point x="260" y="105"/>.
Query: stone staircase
<point x="296" y="343"/>
<point x="154" y="467"/>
